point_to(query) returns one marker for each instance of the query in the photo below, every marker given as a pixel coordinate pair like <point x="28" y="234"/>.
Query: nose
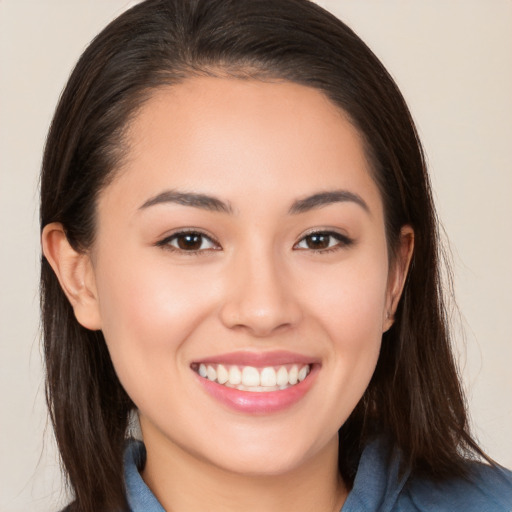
<point x="259" y="296"/>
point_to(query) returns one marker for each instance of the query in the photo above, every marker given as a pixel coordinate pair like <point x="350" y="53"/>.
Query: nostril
<point x="260" y="320"/>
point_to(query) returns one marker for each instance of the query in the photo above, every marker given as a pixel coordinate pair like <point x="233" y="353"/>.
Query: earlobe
<point x="75" y="274"/>
<point x="398" y="274"/>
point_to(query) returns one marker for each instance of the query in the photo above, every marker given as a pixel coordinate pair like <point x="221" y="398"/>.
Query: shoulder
<point x="381" y="486"/>
<point x="486" y="489"/>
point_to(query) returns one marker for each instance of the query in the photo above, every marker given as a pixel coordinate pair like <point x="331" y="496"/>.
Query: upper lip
<point x="259" y="359"/>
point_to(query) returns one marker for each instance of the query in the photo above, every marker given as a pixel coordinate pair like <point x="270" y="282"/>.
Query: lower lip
<point x="265" y="402"/>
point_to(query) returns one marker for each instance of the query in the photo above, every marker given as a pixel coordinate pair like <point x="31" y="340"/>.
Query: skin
<point x="254" y="286"/>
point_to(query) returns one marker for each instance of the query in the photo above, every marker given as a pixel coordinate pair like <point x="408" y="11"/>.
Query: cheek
<point x="351" y="299"/>
<point x="349" y="304"/>
<point x="148" y="309"/>
<point x="148" y="294"/>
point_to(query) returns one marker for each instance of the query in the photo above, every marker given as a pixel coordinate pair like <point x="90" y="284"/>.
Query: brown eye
<point x="323" y="241"/>
<point x="189" y="242"/>
<point x="318" y="241"/>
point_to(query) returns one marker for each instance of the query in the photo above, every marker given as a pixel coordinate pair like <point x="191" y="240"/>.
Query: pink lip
<point x="251" y="402"/>
<point x="259" y="359"/>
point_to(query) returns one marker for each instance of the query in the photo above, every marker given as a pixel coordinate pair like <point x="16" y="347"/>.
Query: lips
<point x="257" y="383"/>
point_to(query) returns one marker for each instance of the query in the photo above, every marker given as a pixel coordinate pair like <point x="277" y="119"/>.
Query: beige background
<point x="453" y="63"/>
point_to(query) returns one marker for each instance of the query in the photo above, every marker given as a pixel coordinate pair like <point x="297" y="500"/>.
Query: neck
<point x="185" y="483"/>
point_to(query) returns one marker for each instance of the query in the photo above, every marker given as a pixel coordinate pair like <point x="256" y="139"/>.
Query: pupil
<point x="318" y="241"/>
<point x="190" y="242"/>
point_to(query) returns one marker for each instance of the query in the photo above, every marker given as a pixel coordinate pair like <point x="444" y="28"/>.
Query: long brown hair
<point x="414" y="397"/>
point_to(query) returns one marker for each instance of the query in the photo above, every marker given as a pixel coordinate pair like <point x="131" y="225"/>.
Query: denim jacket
<point x="378" y="486"/>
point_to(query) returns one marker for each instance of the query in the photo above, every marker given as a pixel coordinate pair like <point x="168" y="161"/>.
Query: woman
<point x="240" y="245"/>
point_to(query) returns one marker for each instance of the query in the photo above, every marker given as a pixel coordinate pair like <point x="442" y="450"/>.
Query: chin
<point x="257" y="463"/>
<point x="269" y="454"/>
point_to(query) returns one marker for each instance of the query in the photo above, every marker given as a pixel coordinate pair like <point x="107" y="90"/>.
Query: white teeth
<point x="235" y="376"/>
<point x="268" y="377"/>
<point x="303" y="373"/>
<point x="249" y="378"/>
<point x="211" y="373"/>
<point x="293" y="375"/>
<point x="222" y="374"/>
<point x="282" y="376"/>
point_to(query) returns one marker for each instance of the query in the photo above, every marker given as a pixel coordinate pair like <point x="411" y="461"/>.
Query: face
<point x="240" y="272"/>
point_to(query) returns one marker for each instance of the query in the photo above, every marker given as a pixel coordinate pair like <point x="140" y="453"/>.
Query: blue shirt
<point x="378" y="486"/>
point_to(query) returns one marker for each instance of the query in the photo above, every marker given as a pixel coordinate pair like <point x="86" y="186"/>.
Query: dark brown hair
<point x="414" y="397"/>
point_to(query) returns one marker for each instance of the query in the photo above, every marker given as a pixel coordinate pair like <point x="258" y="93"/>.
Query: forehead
<point x="242" y="137"/>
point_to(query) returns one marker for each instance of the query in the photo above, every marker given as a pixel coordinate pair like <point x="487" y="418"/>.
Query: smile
<point x="257" y="383"/>
<point x="250" y="378"/>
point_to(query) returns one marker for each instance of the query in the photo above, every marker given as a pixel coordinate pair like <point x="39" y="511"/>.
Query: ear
<point x="398" y="275"/>
<point x="75" y="273"/>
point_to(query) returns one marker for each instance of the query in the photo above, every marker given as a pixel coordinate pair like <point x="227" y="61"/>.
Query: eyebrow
<point x="325" y="198"/>
<point x="211" y="203"/>
<point x="195" y="200"/>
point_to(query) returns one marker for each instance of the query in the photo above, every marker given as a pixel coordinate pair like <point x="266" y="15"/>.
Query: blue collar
<point x="140" y="498"/>
<point x="378" y="487"/>
<point x="373" y="488"/>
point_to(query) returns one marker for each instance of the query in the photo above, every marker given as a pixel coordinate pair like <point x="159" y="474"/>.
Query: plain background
<point x="453" y="63"/>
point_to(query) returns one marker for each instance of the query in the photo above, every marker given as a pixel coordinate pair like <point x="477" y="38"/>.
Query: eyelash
<point x="167" y="241"/>
<point x="342" y="241"/>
